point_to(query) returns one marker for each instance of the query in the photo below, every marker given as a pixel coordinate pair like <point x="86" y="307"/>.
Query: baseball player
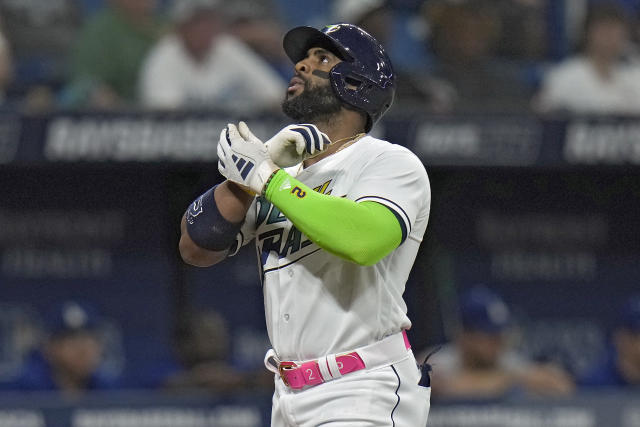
<point x="337" y="217"/>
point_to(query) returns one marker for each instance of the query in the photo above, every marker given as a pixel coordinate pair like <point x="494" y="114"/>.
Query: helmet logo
<point x="331" y="28"/>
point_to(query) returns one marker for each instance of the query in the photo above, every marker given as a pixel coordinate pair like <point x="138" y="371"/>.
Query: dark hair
<point x="602" y="11"/>
<point x="446" y="18"/>
<point x="605" y="12"/>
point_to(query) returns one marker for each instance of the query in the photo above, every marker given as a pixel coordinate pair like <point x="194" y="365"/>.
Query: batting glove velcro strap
<point x="295" y="143"/>
<point x="243" y="158"/>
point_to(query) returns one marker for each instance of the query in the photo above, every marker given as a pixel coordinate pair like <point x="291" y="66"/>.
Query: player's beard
<point x="314" y="104"/>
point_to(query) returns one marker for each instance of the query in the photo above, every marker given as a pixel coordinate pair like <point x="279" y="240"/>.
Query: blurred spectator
<point x="198" y="65"/>
<point x="70" y="358"/>
<point x="109" y="53"/>
<point x="256" y="23"/>
<point x="464" y="39"/>
<point x="377" y="17"/>
<point x="598" y="80"/>
<point x="480" y="364"/>
<point x="621" y="365"/>
<point x="523" y="34"/>
<point x="41" y="35"/>
<point x="374" y="16"/>
<point x="203" y="350"/>
<point x="295" y="12"/>
<point x="6" y="67"/>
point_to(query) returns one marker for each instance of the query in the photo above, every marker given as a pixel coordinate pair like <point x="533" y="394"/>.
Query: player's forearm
<point x="232" y="201"/>
<point x="219" y="216"/>
<point x="362" y="233"/>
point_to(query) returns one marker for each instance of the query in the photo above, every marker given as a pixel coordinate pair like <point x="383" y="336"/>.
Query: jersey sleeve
<point x="247" y="231"/>
<point x="398" y="180"/>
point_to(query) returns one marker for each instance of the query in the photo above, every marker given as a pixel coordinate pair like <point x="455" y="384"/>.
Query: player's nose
<point x="302" y="67"/>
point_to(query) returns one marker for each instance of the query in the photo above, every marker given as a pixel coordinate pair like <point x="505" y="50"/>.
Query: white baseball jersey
<point x="317" y="303"/>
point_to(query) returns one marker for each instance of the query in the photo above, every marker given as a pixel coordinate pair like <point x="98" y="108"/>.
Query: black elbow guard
<point x="207" y="227"/>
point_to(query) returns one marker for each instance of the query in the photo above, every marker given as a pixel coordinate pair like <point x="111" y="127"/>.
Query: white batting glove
<point x="243" y="158"/>
<point x="296" y="143"/>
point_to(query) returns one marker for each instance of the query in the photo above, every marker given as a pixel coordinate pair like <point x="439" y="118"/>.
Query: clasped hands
<point x="246" y="160"/>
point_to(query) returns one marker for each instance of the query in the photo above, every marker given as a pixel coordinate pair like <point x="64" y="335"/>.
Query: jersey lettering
<point x="292" y="243"/>
<point x="276" y="216"/>
<point x="270" y="241"/>
<point x="263" y="210"/>
<point x="322" y="189"/>
<point x="305" y="243"/>
<point x="280" y="238"/>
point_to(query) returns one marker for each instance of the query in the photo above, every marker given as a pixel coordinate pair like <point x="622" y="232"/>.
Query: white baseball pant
<point x="383" y="396"/>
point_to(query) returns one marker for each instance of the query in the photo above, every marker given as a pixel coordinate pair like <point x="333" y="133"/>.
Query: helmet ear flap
<point x="352" y="87"/>
<point x="339" y="76"/>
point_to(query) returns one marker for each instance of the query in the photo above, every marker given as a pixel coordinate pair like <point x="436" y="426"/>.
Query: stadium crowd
<point x="452" y="57"/>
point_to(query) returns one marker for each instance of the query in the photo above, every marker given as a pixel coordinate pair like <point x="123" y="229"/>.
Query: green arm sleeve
<point x="363" y="233"/>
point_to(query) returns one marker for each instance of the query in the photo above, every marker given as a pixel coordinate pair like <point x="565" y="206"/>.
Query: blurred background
<point x="526" y="114"/>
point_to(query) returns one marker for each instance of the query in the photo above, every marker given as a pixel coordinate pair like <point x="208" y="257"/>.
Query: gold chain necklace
<point x="350" y="139"/>
<point x="354" y="137"/>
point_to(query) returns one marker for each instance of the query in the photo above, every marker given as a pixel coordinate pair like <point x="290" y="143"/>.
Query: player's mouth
<point x="295" y="83"/>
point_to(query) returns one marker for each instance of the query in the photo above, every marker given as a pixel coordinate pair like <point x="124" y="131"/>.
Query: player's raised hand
<point x="295" y="143"/>
<point x="243" y="158"/>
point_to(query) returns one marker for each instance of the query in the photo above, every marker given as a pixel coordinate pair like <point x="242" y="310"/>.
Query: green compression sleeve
<point x="363" y="233"/>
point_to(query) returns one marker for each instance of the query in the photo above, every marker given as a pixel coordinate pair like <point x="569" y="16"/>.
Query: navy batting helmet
<point x="364" y="79"/>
